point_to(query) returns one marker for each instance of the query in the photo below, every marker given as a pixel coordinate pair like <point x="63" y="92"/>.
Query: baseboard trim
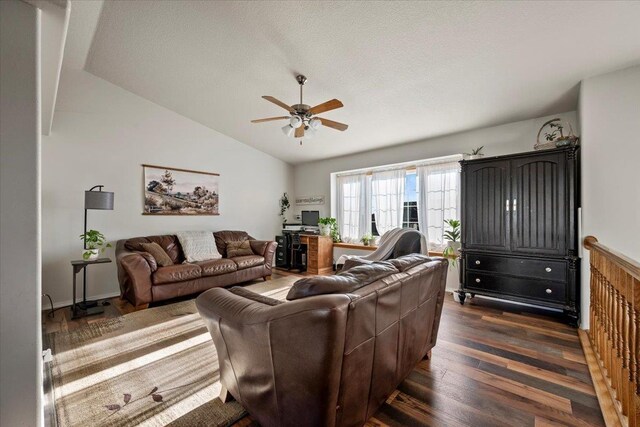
<point x="67" y="303"/>
<point x="610" y="410"/>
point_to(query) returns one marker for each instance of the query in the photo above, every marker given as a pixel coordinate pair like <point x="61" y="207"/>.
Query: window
<point x="410" y="205"/>
<point x="442" y="196"/>
<point x="420" y="197"/>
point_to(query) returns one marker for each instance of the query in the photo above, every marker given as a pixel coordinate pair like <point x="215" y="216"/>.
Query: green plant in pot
<point x="284" y="206"/>
<point x="452" y="236"/>
<point x="476" y="153"/>
<point x="367" y="239"/>
<point x="95" y="244"/>
<point x="329" y="227"/>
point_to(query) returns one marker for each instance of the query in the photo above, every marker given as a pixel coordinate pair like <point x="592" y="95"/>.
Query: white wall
<point x="610" y="119"/>
<point x="20" y="338"/>
<point x="101" y="135"/>
<point x="314" y="178"/>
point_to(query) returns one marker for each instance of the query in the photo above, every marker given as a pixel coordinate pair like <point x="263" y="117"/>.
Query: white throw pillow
<point x="198" y="245"/>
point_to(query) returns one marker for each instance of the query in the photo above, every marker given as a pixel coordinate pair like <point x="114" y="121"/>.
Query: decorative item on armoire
<point x="476" y="153"/>
<point x="520" y="234"/>
<point x="171" y="191"/>
<point x="554" y="135"/>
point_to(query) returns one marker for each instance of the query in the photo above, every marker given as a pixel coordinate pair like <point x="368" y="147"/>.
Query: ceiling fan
<point x="302" y="118"/>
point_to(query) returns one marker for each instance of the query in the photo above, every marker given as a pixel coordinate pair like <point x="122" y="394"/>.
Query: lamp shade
<point x="288" y="130"/>
<point x="98" y="200"/>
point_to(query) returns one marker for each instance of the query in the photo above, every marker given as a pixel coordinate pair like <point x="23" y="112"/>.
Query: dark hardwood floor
<point x="495" y="364"/>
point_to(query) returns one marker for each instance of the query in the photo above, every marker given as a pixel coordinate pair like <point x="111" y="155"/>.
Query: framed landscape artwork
<point x="171" y="191"/>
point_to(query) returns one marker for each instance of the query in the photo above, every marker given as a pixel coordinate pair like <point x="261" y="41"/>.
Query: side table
<point x="78" y="266"/>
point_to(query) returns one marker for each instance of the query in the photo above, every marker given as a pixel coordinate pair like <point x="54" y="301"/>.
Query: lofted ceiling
<point x="405" y="71"/>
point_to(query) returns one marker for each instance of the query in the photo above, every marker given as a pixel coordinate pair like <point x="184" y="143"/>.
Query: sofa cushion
<point x="168" y="242"/>
<point x="346" y="282"/>
<point x="407" y="261"/>
<point x="215" y="267"/>
<point x="176" y="273"/>
<point x="156" y="251"/>
<point x="241" y="248"/>
<point x="198" y="245"/>
<point x="248" y="261"/>
<point x="225" y="236"/>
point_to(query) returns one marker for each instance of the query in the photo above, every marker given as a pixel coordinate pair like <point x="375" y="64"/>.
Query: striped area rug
<point x="153" y="367"/>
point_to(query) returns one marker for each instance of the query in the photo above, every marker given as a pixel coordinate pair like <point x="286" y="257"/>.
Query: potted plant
<point x="367" y="239"/>
<point x="476" y="153"/>
<point x="95" y="244"/>
<point x="452" y="236"/>
<point x="284" y="206"/>
<point x="327" y="225"/>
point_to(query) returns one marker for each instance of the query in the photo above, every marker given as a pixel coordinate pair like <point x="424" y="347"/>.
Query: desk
<point x="78" y="266"/>
<point x="319" y="253"/>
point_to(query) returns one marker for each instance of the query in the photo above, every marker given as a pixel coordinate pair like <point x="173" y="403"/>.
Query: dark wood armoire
<point x="520" y="228"/>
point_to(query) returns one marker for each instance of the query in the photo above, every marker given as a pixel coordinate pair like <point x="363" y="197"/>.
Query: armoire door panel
<point x="486" y="222"/>
<point x="538" y="217"/>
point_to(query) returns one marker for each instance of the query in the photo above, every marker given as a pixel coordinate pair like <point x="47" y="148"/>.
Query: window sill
<point x="355" y="246"/>
<point x="370" y="248"/>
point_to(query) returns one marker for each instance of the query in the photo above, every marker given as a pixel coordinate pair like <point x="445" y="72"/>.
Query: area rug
<point x="154" y="367"/>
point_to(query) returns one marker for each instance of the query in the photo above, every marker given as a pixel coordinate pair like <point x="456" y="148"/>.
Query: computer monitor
<point x="310" y="218"/>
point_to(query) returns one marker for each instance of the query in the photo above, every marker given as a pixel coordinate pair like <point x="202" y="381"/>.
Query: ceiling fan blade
<point x="299" y="132"/>
<point x="326" y="106"/>
<point x="268" y="119"/>
<point x="334" y="125"/>
<point x="279" y="103"/>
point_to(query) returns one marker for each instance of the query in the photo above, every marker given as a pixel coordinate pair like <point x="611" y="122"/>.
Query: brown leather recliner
<point x="142" y="281"/>
<point x="334" y="351"/>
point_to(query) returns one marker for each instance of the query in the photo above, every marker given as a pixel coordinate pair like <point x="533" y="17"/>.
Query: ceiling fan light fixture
<point x="309" y="132"/>
<point x="315" y="123"/>
<point x="288" y="130"/>
<point x="295" y="122"/>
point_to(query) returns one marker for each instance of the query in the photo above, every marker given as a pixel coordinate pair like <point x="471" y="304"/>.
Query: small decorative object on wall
<point x="310" y="200"/>
<point x="284" y="206"/>
<point x="554" y="136"/>
<point x="476" y="153"/>
<point x="171" y="191"/>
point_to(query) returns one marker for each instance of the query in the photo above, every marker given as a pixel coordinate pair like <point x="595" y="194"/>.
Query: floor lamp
<point x="93" y="200"/>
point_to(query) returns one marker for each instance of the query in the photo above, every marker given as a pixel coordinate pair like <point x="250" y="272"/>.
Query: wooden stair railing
<point x="614" y="333"/>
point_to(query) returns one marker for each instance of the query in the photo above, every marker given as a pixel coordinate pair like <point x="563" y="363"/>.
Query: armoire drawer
<point x="529" y="267"/>
<point x="516" y="286"/>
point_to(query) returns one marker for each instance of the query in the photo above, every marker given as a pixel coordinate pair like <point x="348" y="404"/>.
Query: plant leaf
<point x="113" y="407"/>
<point x="156" y="397"/>
<point x="127" y="398"/>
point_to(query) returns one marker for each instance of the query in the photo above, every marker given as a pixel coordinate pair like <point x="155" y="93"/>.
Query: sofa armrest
<point x="264" y="248"/>
<point x="137" y="288"/>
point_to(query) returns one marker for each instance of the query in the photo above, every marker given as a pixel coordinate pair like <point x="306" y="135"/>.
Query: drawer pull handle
<point x="548" y="291"/>
<point x="477" y="262"/>
<point x="477" y="280"/>
<point x="548" y="269"/>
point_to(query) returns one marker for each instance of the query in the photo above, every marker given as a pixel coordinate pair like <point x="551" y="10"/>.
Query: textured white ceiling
<point x="405" y="71"/>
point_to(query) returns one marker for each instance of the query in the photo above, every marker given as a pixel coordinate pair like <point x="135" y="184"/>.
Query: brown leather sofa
<point x="335" y="350"/>
<point x="142" y="281"/>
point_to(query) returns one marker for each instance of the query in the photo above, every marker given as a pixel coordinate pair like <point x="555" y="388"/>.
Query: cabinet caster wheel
<point x="462" y="296"/>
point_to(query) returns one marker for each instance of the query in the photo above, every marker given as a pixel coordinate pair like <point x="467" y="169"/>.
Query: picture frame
<point x="175" y="191"/>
